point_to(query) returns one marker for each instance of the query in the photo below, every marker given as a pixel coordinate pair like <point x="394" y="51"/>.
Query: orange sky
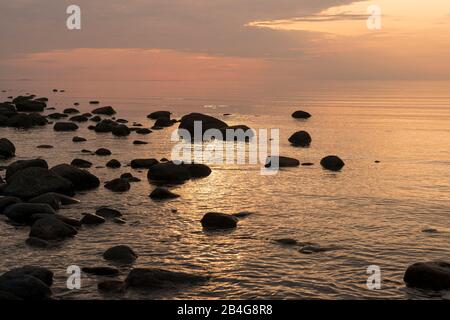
<point x="228" y="40"/>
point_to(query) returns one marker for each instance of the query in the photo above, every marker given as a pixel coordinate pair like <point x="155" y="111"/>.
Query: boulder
<point x="89" y="218"/>
<point x="118" y="185"/>
<point x="153" y="278"/>
<point x="103" y="152"/>
<point x="207" y="122"/>
<point x="81" y="179"/>
<point x="129" y="177"/>
<point x="113" y="163"/>
<point x="120" y="254"/>
<point x="300" y="139"/>
<point x="65" y="126"/>
<point x="30" y="106"/>
<point x="49" y="196"/>
<point x="271" y="161"/>
<point x="51" y="228"/>
<point x="43" y="274"/>
<point x="6" y="201"/>
<point x="197" y="170"/>
<point x="163" y="122"/>
<point x="96" y="119"/>
<point x="32" y="182"/>
<point x="37" y="119"/>
<point x="168" y="172"/>
<point x="81" y="163"/>
<point x="162" y="194"/>
<point x="52" y="201"/>
<point x="69" y="221"/>
<point x="433" y="275"/>
<point x="106" y="125"/>
<point x="121" y="130"/>
<point x="237" y="133"/>
<point x="21" y="121"/>
<point x="159" y="114"/>
<point x="7" y="149"/>
<point x="143" y="163"/>
<point x="217" y="220"/>
<point x="143" y="131"/>
<point x="301" y="115"/>
<point x="78" y="139"/>
<point x="23" y="164"/>
<point x="57" y="116"/>
<point x="26" y="287"/>
<point x="22" y="212"/>
<point x="79" y="118"/>
<point x="71" y="111"/>
<point x="333" y="163"/>
<point x="109" y="111"/>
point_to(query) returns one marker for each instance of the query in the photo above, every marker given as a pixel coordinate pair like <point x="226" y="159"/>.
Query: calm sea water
<point x="373" y="213"/>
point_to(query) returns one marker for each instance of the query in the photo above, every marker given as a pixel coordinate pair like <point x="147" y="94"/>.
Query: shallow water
<point x="373" y="213"/>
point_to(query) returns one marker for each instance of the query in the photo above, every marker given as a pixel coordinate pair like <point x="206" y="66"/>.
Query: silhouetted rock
<point x="113" y="163"/>
<point x="139" y="142"/>
<point x="23" y="164"/>
<point x="153" y="278"/>
<point x="271" y="161"/>
<point x="51" y="228"/>
<point x="118" y="185"/>
<point x="57" y="116"/>
<point x="79" y="118"/>
<point x="197" y="170"/>
<point x="121" y="130"/>
<point x="333" y="163"/>
<point x="44" y="146"/>
<point x="22" y="212"/>
<point x="168" y="172"/>
<point x="7" y="148"/>
<point x="38" y="243"/>
<point x="162" y="194"/>
<point x="120" y="254"/>
<point x="129" y="177"/>
<point x="32" y="182"/>
<point x="300" y="139"/>
<point x="143" y="131"/>
<point x="26" y="287"/>
<point x="301" y="115"/>
<point x="216" y="220"/>
<point x="103" y="152"/>
<point x="78" y="139"/>
<point x="109" y="111"/>
<point x="47" y="197"/>
<point x="94" y="102"/>
<point x="106" y="125"/>
<point x="207" y="122"/>
<point x="434" y="275"/>
<point x="237" y="133"/>
<point x="30" y="106"/>
<point x="96" y="119"/>
<point x="287" y="241"/>
<point x="163" y="122"/>
<point x="69" y="221"/>
<point x="143" y="163"/>
<point x="43" y="274"/>
<point x="6" y="201"/>
<point x="108" y="213"/>
<point x="65" y="126"/>
<point x="81" y="179"/>
<point x="159" y="114"/>
<point x="89" y="218"/>
<point x="81" y="163"/>
<point x="71" y="111"/>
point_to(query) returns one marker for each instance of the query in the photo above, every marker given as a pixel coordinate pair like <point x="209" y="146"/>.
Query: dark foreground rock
<point x="22" y="212"/>
<point x="51" y="228"/>
<point x="300" y="139"/>
<point x="109" y="111"/>
<point x="207" y="122"/>
<point x="118" y="185"/>
<point x="111" y="286"/>
<point x="23" y="164"/>
<point x="333" y="163"/>
<point x="434" y="275"/>
<point x="26" y="287"/>
<point x="301" y="115"/>
<point x="81" y="163"/>
<point x="92" y="219"/>
<point x="65" y="126"/>
<point x="159" y="114"/>
<point x="40" y="273"/>
<point x="101" y="271"/>
<point x="103" y="152"/>
<point x="120" y="254"/>
<point x="7" y="149"/>
<point x="113" y="164"/>
<point x="197" y="170"/>
<point x="32" y="182"/>
<point x="6" y="201"/>
<point x="81" y="179"/>
<point x="168" y="172"/>
<point x="143" y="163"/>
<point x="108" y="213"/>
<point x="163" y="194"/>
<point x="217" y="220"/>
<point x="153" y="278"/>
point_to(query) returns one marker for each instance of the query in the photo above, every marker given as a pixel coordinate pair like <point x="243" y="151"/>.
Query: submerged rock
<point x="217" y="220"/>
<point x="7" y="148"/>
<point x="81" y="179"/>
<point x="51" y="228"/>
<point x="162" y="194"/>
<point x="120" y="254"/>
<point x="153" y="278"/>
<point x="434" y="275"/>
<point x="272" y="161"/>
<point x="300" y="139"/>
<point x="333" y="163"/>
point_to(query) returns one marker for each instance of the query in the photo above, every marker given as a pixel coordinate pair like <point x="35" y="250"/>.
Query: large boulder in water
<point x="333" y="163"/>
<point x="65" y="126"/>
<point x="51" y="228"/>
<point x="7" y="148"/>
<point x="300" y="139"/>
<point x="217" y="220"/>
<point x="434" y="275"/>
<point x="22" y="212"/>
<point x="106" y="125"/>
<point x="32" y="182"/>
<point x="30" y="106"/>
<point x="6" y="201"/>
<point x="81" y="179"/>
<point x="41" y="273"/>
<point x="301" y="115"/>
<point x="23" y="164"/>
<point x="26" y="287"/>
<point x="168" y="172"/>
<point x="121" y="130"/>
<point x="152" y="278"/>
<point x="207" y="122"/>
<point x="120" y="254"/>
<point x="197" y="170"/>
<point x="159" y="114"/>
<point x="109" y="111"/>
<point x="237" y="133"/>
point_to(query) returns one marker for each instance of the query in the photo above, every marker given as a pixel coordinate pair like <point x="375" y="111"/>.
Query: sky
<point x="280" y="40"/>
